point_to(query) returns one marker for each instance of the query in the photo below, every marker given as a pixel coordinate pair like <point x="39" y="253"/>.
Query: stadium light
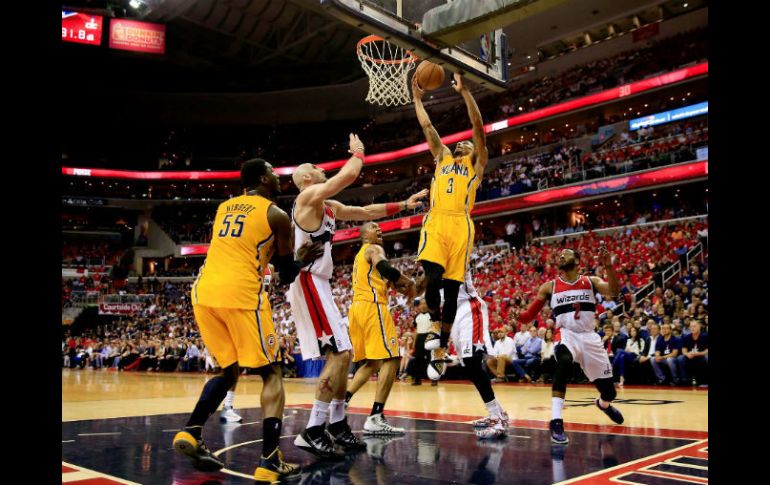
<point x="135" y="4"/>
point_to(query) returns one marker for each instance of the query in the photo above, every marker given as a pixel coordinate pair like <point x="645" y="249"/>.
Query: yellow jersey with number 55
<point x="453" y="188"/>
<point x="241" y="247"/>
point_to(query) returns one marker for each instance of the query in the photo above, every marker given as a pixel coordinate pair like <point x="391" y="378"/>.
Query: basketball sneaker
<point x="344" y="437"/>
<point x="316" y="440"/>
<point x="557" y="432"/>
<point x="273" y="468"/>
<point x="498" y="431"/>
<point x="612" y="412"/>
<point x="376" y="424"/>
<point x="490" y="420"/>
<point x="200" y="456"/>
<point x="230" y="416"/>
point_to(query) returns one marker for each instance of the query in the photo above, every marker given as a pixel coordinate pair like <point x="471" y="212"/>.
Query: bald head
<point x="371" y="233"/>
<point x="307" y="174"/>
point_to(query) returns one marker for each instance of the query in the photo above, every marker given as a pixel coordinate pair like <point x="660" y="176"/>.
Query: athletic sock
<point x="229" y="399"/>
<point x="271" y="433"/>
<point x="603" y="404"/>
<point x="318" y="414"/>
<point x="556" y="404"/>
<point x="337" y="408"/>
<point x="377" y="408"/>
<point x="494" y="408"/>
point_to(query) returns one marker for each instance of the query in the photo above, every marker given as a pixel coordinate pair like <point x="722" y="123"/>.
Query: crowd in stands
<point x="162" y="336"/>
<point x="566" y="164"/>
<point x="88" y="253"/>
<point x="186" y="223"/>
<point x="278" y="143"/>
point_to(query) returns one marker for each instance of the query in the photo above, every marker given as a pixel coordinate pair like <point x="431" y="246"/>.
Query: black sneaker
<point x="273" y="468"/>
<point x="316" y="440"/>
<point x="612" y="412"/>
<point x="344" y="437"/>
<point x="417" y="382"/>
<point x="557" y="432"/>
<point x="200" y="456"/>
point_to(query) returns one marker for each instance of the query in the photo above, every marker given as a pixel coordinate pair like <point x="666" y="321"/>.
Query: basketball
<point x="429" y="76"/>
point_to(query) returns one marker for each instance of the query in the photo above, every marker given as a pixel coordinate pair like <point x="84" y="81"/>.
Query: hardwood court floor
<point x="89" y="394"/>
<point x="118" y="426"/>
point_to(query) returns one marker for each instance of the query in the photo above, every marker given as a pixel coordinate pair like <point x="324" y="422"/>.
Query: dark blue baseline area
<point x="432" y="452"/>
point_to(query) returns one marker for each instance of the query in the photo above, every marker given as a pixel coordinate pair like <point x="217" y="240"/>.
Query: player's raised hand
<point x="355" y="145"/>
<point x="458" y="84"/>
<point x="417" y="91"/>
<point x="310" y="251"/>
<point x="415" y="200"/>
<point x="605" y="258"/>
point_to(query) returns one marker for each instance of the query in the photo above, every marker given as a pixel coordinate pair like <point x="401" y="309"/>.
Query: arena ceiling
<point x="262" y="45"/>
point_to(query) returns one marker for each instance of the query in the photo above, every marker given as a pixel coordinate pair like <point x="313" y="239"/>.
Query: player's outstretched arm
<point x="376" y="256"/>
<point x="336" y="184"/>
<point x="534" y="308"/>
<point x="611" y="287"/>
<point x="481" y="155"/>
<point x="288" y="268"/>
<point x="371" y="212"/>
<point x="437" y="148"/>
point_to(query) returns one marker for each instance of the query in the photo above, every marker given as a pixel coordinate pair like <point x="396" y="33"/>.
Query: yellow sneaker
<point x="200" y="456"/>
<point x="273" y="468"/>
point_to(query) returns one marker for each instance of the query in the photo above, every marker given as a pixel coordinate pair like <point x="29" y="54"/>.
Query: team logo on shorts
<point x="392" y="341"/>
<point x="270" y="340"/>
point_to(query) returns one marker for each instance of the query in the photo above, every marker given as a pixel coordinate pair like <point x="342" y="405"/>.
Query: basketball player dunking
<point x="320" y="326"/>
<point x="446" y="239"/>
<point x="573" y="301"/>
<point x="233" y="312"/>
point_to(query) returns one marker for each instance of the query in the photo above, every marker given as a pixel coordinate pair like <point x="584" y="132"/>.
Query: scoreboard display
<point x="81" y="28"/>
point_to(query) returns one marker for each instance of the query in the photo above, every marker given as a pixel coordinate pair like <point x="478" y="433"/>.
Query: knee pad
<point x="606" y="388"/>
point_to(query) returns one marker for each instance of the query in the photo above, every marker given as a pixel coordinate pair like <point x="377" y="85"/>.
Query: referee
<point x="422" y="322"/>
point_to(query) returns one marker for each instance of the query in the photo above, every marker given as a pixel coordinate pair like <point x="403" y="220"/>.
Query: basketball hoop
<point x="387" y="66"/>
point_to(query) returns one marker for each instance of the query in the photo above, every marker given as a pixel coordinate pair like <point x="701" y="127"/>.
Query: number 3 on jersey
<point x="236" y="231"/>
<point x="451" y="185"/>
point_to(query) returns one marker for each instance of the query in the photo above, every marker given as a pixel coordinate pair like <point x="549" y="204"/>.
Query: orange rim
<point x="410" y="57"/>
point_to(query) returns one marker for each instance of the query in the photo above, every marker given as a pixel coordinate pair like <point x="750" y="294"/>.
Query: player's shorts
<point x="470" y="331"/>
<point x="372" y="331"/>
<point x="320" y="326"/>
<point x="238" y="335"/>
<point x="447" y="240"/>
<point x="587" y="350"/>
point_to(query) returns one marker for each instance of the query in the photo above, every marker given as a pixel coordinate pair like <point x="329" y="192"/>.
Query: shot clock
<point x="81" y="28"/>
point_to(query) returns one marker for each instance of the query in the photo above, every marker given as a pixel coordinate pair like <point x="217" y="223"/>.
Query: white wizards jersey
<point x="574" y="304"/>
<point x="322" y="266"/>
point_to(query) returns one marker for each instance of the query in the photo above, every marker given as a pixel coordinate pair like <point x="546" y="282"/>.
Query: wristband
<point x="392" y="208"/>
<point x="359" y="155"/>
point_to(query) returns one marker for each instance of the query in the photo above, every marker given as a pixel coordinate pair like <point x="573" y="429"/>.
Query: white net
<point x="387" y="66"/>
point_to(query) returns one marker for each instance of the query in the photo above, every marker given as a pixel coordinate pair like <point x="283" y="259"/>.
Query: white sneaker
<point x="497" y="431"/>
<point x="489" y="421"/>
<point x="377" y="424"/>
<point x="230" y="416"/>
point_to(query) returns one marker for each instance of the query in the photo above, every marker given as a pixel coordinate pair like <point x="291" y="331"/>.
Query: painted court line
<point x="100" y="434"/>
<point x="75" y="474"/>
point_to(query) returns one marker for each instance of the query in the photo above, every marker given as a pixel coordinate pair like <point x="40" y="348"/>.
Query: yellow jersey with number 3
<point x="368" y="284"/>
<point x="241" y="248"/>
<point x="453" y="188"/>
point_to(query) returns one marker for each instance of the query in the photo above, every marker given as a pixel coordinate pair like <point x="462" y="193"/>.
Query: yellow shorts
<point x="372" y="331"/>
<point x="447" y="240"/>
<point x="237" y="335"/>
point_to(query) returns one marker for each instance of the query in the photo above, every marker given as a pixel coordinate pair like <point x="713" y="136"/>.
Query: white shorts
<point x="320" y="327"/>
<point x="470" y="331"/>
<point x="587" y="350"/>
